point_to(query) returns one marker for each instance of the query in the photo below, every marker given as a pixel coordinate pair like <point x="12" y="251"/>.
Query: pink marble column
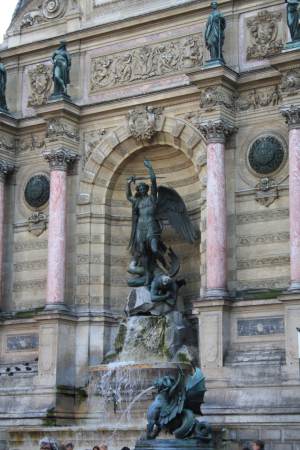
<point x="216" y="227"/>
<point x="5" y="169"/>
<point x="59" y="162"/>
<point x="292" y="116"/>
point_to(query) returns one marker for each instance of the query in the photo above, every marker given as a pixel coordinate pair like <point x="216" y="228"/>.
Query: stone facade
<point x="140" y="88"/>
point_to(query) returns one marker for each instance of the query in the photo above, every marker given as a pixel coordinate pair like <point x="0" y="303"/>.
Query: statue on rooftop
<point x="293" y="17"/>
<point x="215" y="33"/>
<point x="148" y="213"/>
<point x="61" y="70"/>
<point x="175" y="405"/>
<point x="3" y="80"/>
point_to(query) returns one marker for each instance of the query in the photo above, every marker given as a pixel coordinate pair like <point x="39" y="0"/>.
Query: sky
<point x="6" y="15"/>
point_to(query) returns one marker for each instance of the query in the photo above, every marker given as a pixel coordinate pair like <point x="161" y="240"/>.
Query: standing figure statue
<point x="293" y="17"/>
<point x="3" y="80"/>
<point x="214" y="33"/>
<point x="148" y="213"/>
<point x="61" y="70"/>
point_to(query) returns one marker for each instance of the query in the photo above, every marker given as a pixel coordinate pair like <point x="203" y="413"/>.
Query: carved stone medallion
<point x="37" y="191"/>
<point x="142" y="122"/>
<point x="266" y="155"/>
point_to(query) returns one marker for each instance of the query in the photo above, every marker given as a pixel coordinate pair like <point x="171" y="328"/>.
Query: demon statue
<point x="151" y="258"/>
<point x="175" y="405"/>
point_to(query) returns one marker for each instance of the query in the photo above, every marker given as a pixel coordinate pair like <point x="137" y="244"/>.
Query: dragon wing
<point x="176" y="401"/>
<point x="195" y="390"/>
<point x="171" y="206"/>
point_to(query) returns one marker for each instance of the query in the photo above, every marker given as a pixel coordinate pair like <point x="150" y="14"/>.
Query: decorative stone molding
<point x="7" y="143"/>
<point x="40" y="83"/>
<point x="5" y="169"/>
<point x="142" y="122"/>
<point x="257" y="98"/>
<point x="58" y="128"/>
<point x="212" y="97"/>
<point x="263" y="30"/>
<point x="37" y="223"/>
<point x="145" y="62"/>
<point x="290" y="83"/>
<point x="291" y="115"/>
<point x="216" y="130"/>
<point x="91" y="140"/>
<point x="60" y="159"/>
<point x="266" y="191"/>
<point x="47" y="10"/>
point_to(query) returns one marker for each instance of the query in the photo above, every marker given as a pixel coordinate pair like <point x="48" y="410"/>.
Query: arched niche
<point x="178" y="155"/>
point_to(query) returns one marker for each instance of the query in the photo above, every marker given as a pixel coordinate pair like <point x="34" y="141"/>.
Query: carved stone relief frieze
<point x="91" y="139"/>
<point x="40" y="80"/>
<point x="142" y="122"/>
<point x="30" y="144"/>
<point x="45" y="11"/>
<point x="145" y="62"/>
<point x="257" y="98"/>
<point x="59" y="128"/>
<point x="264" y="35"/>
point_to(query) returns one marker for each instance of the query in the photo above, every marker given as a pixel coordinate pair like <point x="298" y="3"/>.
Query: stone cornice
<point x="291" y="115"/>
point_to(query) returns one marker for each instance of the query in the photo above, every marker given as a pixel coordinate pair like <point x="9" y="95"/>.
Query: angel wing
<point x="176" y="400"/>
<point x="195" y="391"/>
<point x="171" y="206"/>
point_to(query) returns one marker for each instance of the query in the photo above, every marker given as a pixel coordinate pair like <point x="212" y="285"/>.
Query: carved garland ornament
<point x="40" y="83"/>
<point x="263" y="31"/>
<point x="145" y="62"/>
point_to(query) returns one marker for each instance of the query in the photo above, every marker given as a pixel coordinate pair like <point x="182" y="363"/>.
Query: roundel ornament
<point x="37" y="191"/>
<point x="266" y="155"/>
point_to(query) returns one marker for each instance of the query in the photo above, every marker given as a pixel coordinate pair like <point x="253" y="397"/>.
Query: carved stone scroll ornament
<point x="37" y="223"/>
<point x="40" y="84"/>
<point x="61" y="159"/>
<point x="145" y="62"/>
<point x="47" y="10"/>
<point x="142" y="122"/>
<point x="263" y="30"/>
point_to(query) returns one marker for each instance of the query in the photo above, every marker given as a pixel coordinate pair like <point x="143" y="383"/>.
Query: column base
<point x="56" y="307"/>
<point x="294" y="286"/>
<point x="218" y="293"/>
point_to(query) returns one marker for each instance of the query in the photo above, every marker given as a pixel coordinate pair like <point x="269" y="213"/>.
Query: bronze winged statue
<point x="152" y="206"/>
<point x="175" y="405"/>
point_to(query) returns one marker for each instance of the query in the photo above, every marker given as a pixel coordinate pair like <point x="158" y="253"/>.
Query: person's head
<point x="214" y="5"/>
<point x="258" y="445"/>
<point x="125" y="448"/>
<point x="103" y="447"/>
<point x="165" y="279"/>
<point x="69" y="446"/>
<point x="96" y="447"/>
<point x="48" y="444"/>
<point x="142" y="189"/>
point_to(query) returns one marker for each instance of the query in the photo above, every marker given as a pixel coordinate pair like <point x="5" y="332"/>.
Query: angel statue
<point x="175" y="405"/>
<point x="149" y="210"/>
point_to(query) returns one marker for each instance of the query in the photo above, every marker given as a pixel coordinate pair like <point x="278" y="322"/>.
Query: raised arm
<point x="129" y="195"/>
<point x="152" y="176"/>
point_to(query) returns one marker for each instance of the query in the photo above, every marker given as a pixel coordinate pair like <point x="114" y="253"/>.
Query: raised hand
<point x="147" y="164"/>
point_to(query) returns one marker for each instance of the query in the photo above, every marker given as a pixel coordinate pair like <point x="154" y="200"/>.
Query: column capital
<point x="60" y="159"/>
<point x="5" y="169"/>
<point x="216" y="130"/>
<point x="291" y="115"/>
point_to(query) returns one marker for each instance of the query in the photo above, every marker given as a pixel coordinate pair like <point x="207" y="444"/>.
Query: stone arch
<point x="99" y="178"/>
